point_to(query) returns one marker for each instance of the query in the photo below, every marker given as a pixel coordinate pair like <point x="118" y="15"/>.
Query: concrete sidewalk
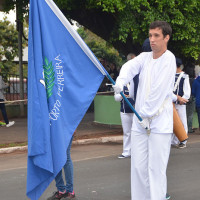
<point x="88" y="132"/>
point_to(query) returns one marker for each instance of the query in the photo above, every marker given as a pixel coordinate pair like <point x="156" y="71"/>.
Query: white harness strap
<point x="128" y="86"/>
<point x="148" y="88"/>
<point x="178" y="81"/>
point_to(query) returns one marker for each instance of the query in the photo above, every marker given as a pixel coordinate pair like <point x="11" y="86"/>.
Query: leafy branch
<point x="49" y="76"/>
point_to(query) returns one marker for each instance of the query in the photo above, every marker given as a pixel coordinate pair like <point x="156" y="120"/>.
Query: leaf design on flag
<point x="49" y="76"/>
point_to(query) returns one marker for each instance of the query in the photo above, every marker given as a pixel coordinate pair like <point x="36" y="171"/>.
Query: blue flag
<point x="63" y="78"/>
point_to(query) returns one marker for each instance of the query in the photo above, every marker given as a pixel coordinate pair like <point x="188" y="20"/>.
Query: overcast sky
<point x="11" y="16"/>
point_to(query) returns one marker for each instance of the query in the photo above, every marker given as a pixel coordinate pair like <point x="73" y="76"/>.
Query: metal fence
<point x="12" y="93"/>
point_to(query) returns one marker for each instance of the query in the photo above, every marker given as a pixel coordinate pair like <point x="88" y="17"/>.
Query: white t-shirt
<point x="186" y="88"/>
<point x="155" y="89"/>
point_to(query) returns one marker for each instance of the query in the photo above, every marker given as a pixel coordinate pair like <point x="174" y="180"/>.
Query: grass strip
<point x="16" y="144"/>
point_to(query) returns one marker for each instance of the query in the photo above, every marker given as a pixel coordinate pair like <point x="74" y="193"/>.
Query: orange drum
<point x="179" y="130"/>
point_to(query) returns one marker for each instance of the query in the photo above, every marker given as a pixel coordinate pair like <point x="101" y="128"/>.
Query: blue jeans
<point x="198" y="114"/>
<point x="68" y="169"/>
<point x="3" y="110"/>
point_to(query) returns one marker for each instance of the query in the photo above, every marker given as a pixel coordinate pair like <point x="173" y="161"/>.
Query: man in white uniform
<point x="150" y="149"/>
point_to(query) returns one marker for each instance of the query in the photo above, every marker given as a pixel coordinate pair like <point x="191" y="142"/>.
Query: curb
<point x="99" y="140"/>
<point x="76" y="142"/>
<point x="12" y="149"/>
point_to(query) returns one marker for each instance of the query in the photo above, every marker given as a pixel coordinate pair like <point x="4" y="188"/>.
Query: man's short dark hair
<point x="164" y="26"/>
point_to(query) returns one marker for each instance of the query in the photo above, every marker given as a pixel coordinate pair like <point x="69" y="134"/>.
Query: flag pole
<point x="127" y="101"/>
<point x="85" y="48"/>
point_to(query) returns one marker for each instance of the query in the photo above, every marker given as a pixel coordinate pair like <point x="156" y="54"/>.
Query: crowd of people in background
<point x="190" y="70"/>
<point x="194" y="101"/>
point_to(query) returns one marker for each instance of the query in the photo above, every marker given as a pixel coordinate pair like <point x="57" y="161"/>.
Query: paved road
<point x="99" y="175"/>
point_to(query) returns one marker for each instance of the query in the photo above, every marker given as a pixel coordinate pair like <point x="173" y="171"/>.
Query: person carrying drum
<point x="182" y="92"/>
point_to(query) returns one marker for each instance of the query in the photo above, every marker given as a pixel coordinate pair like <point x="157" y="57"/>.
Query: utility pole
<point x="19" y="20"/>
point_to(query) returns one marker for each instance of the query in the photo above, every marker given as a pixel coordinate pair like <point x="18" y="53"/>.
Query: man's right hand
<point x="145" y="123"/>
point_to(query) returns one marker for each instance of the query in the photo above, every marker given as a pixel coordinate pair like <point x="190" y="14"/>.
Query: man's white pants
<point x="126" y="119"/>
<point x="149" y="159"/>
<point x="181" y="109"/>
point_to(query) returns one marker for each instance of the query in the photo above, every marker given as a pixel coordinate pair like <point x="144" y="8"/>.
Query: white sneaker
<point x="122" y="156"/>
<point x="10" y="124"/>
<point x="181" y="145"/>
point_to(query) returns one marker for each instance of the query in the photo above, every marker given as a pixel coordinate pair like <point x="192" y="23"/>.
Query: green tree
<point x="125" y="23"/>
<point x="8" y="46"/>
<point x="101" y="49"/>
<point x="21" y="4"/>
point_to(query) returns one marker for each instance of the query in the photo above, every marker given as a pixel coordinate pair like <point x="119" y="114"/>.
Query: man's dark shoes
<point x="58" y="195"/>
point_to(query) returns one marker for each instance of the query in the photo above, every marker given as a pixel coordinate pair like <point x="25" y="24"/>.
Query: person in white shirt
<point x="151" y="137"/>
<point x="126" y="114"/>
<point x="182" y="92"/>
